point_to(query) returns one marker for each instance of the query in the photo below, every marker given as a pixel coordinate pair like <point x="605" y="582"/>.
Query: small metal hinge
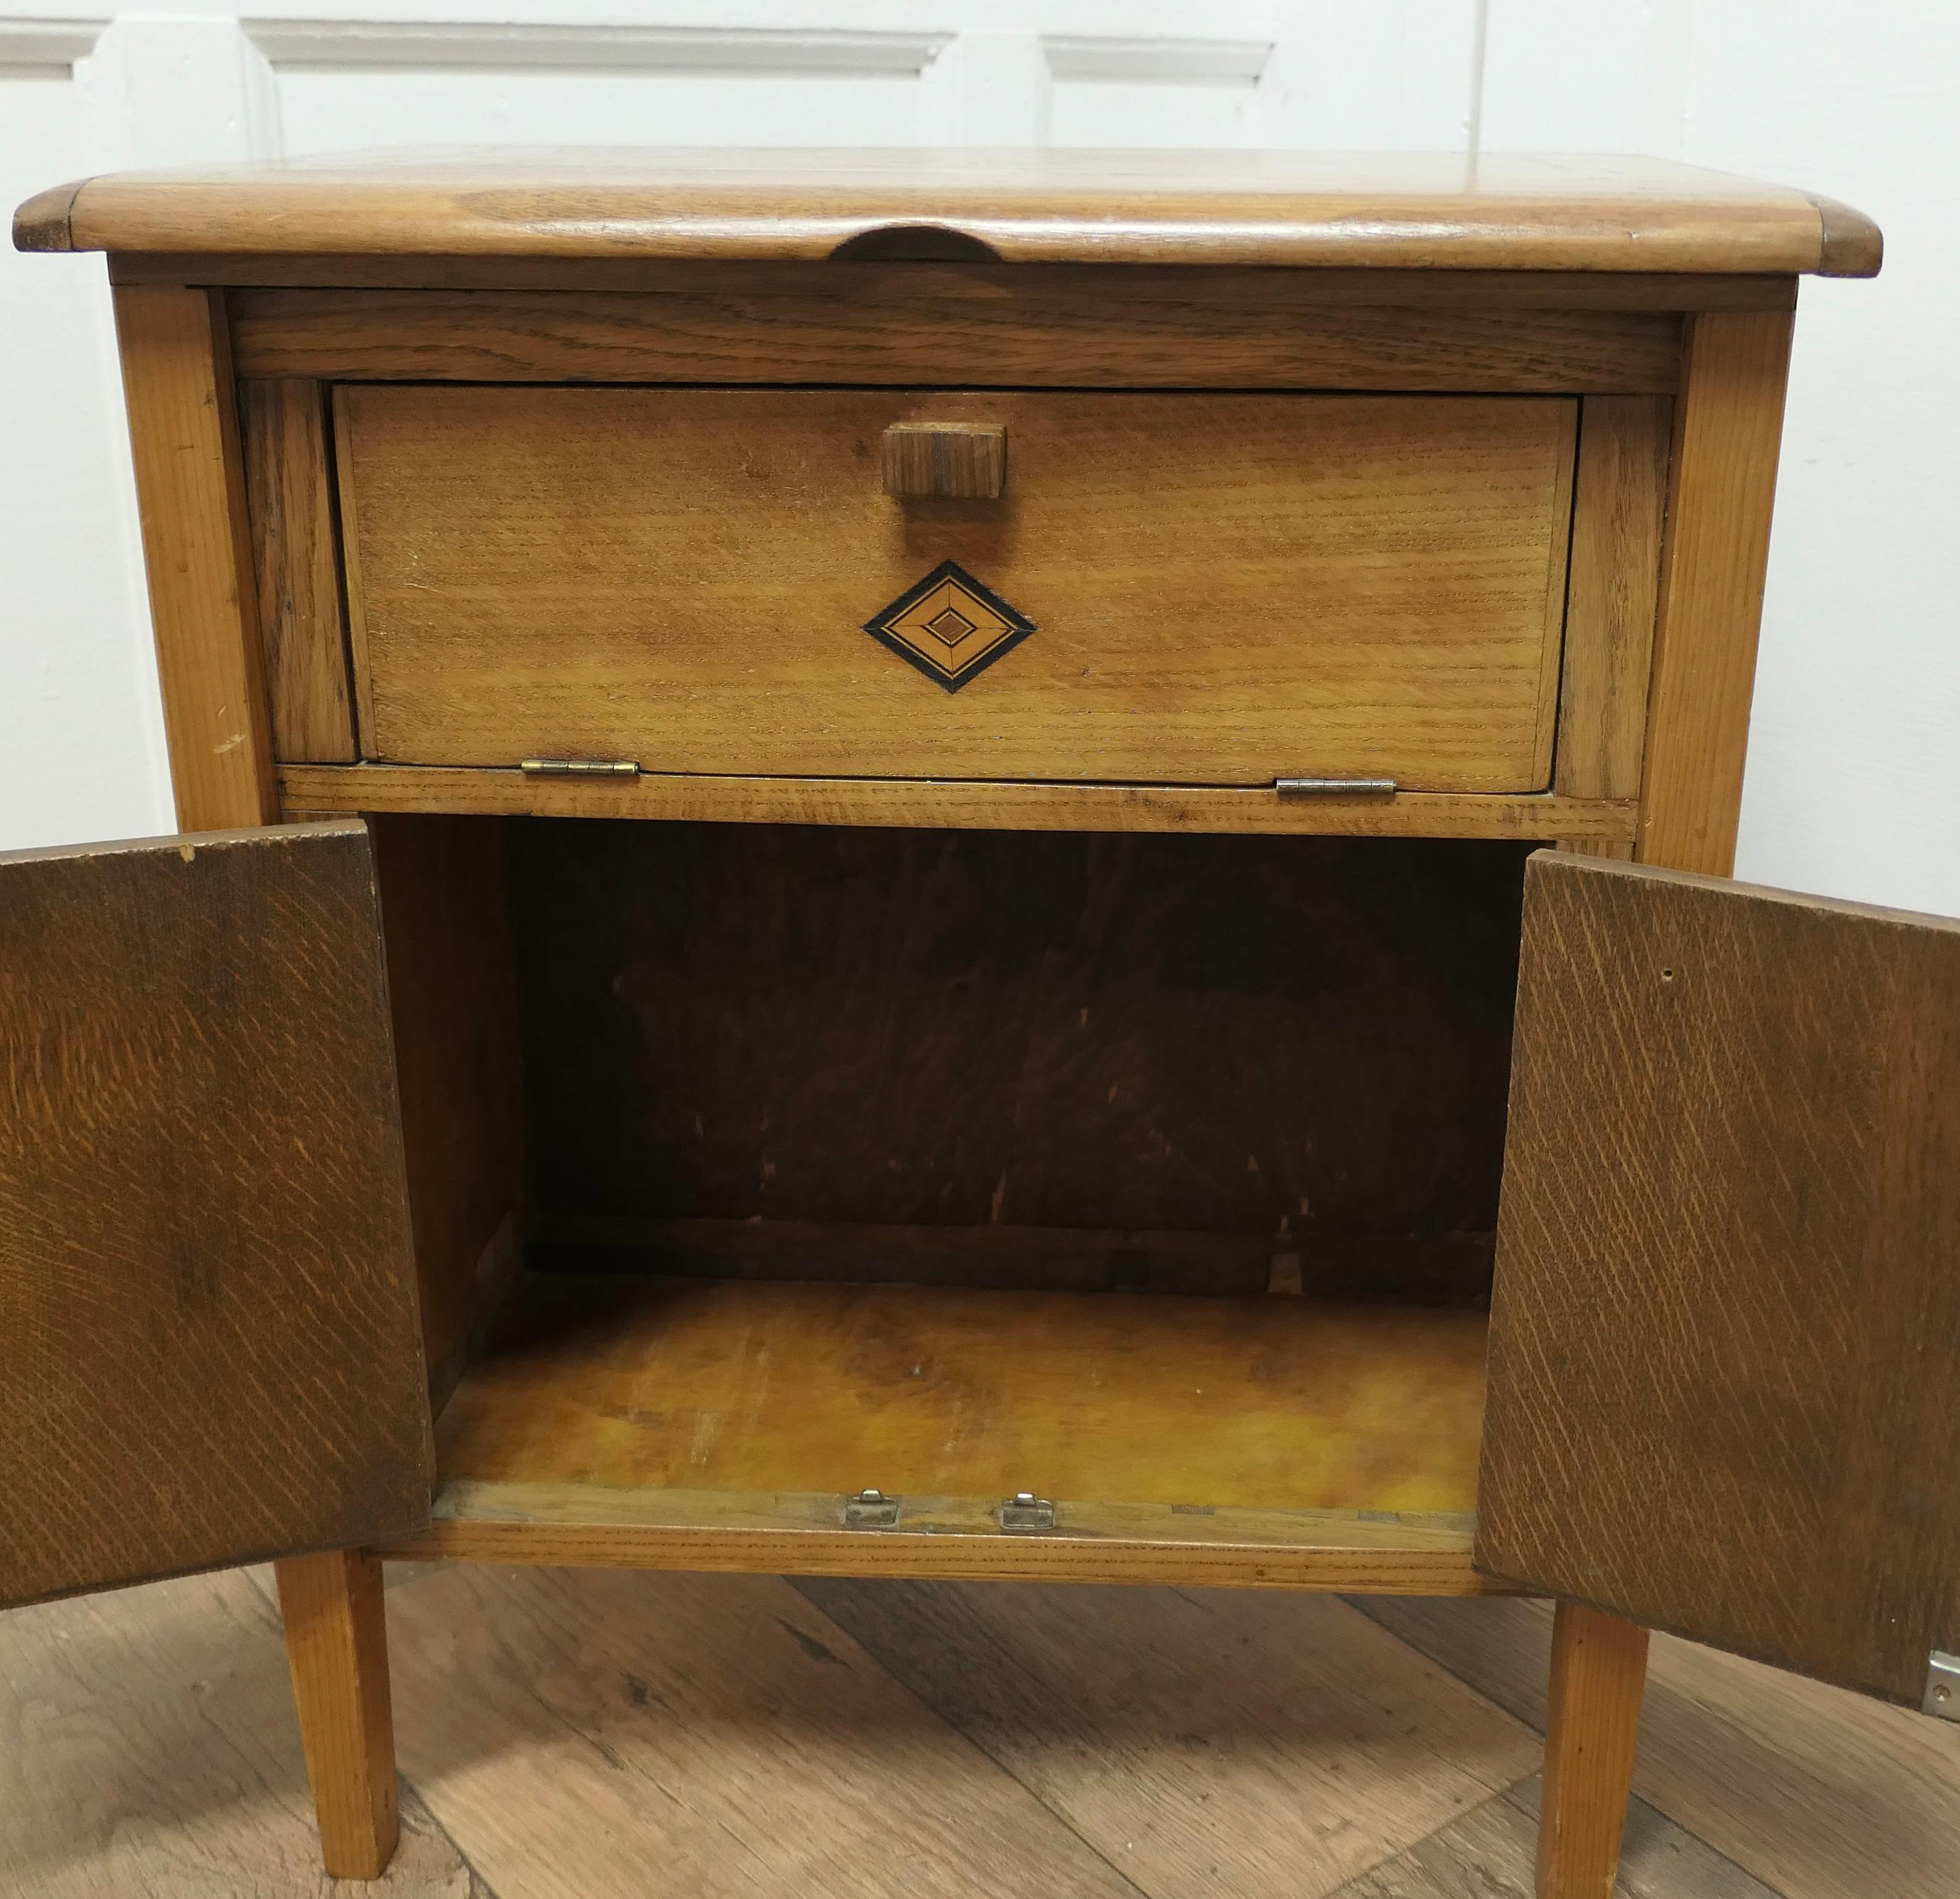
<point x="1943" y="1686"/>
<point x="1335" y="787"/>
<point x="1026" y="1511"/>
<point x="579" y="768"/>
<point x="871" y="1510"/>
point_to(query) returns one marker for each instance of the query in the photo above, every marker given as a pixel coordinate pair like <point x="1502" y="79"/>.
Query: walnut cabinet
<point x="1003" y="866"/>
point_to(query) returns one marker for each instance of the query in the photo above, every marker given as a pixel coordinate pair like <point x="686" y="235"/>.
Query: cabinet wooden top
<point x="1416" y="212"/>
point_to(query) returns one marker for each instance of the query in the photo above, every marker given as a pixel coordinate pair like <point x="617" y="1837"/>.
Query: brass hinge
<point x="1026" y="1511"/>
<point x="1943" y="1686"/>
<point x="579" y="768"/>
<point x="1335" y="787"/>
<point x="871" y="1510"/>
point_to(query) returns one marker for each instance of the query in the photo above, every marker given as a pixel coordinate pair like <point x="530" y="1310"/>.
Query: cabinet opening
<point x="1154" y="1175"/>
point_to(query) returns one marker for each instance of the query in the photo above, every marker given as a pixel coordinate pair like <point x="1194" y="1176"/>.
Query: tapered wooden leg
<point x="1599" y="1671"/>
<point x="337" y="1645"/>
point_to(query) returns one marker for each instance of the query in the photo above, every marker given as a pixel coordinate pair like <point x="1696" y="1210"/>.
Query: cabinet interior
<point x="756" y="1165"/>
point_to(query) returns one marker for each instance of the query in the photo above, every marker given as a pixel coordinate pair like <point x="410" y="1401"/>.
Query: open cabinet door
<point x="1725" y="1343"/>
<point x="208" y="1347"/>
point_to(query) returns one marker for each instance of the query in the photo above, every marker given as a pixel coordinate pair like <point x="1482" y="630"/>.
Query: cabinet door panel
<point x="1726" y="1331"/>
<point x="208" y="1345"/>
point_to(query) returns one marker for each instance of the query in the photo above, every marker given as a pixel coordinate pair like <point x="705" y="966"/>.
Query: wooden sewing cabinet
<point x="870" y="820"/>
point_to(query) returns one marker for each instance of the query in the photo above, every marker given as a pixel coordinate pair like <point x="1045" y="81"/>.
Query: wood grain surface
<point x="977" y="805"/>
<point x="190" y="493"/>
<point x="147" y="1745"/>
<point x="589" y="1526"/>
<point x="1592" y="1723"/>
<point x="1265" y="286"/>
<point x="966" y="325"/>
<point x="610" y="1734"/>
<point x="1853" y="246"/>
<point x="802" y="1533"/>
<point x="206" y="1289"/>
<point x="296" y="557"/>
<point x="1055" y="1259"/>
<point x="1406" y="1543"/>
<point x="1491" y="1852"/>
<point x="1270" y="1404"/>
<point x="1808" y="1792"/>
<point x="42" y="222"/>
<point x="1618" y="504"/>
<point x="645" y="1424"/>
<point x="1429" y="211"/>
<point x="1728" y="432"/>
<point x="149" y="1750"/>
<point x="1728" y="1282"/>
<point x="681" y="578"/>
<point x="337" y="1649"/>
<point x="945" y="461"/>
<point x="1178" y="1734"/>
<point x="1434" y="1268"/>
<point x="452" y="998"/>
<point x="1263" y="1037"/>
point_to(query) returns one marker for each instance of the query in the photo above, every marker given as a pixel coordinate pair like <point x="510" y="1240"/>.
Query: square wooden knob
<point x="945" y="461"/>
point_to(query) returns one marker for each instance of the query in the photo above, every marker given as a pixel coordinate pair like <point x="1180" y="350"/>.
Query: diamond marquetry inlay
<point x="949" y="626"/>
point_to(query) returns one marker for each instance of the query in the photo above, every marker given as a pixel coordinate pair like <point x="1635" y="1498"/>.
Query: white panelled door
<point x="162" y="82"/>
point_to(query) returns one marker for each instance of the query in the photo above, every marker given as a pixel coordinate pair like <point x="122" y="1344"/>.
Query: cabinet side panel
<point x="190" y="491"/>
<point x="456" y="1053"/>
<point x="209" y="1351"/>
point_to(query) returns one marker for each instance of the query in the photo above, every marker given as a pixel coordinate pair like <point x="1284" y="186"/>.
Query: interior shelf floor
<point x="1264" y="1403"/>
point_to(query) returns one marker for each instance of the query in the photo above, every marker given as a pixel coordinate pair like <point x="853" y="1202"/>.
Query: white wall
<point x="81" y="741"/>
<point x="1853" y="784"/>
<point x="1854" y="780"/>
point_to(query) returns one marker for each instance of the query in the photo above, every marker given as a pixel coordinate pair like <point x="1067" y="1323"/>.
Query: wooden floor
<point x="575" y="1735"/>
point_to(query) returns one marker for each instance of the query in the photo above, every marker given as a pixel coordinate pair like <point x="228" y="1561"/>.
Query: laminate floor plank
<point x="1491" y="1853"/>
<point x="1485" y="1854"/>
<point x="149" y="1750"/>
<point x="1819" y="1793"/>
<point x="586" y="1734"/>
<point x="1505" y="1656"/>
<point x="596" y="1733"/>
<point x="1205" y="1742"/>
